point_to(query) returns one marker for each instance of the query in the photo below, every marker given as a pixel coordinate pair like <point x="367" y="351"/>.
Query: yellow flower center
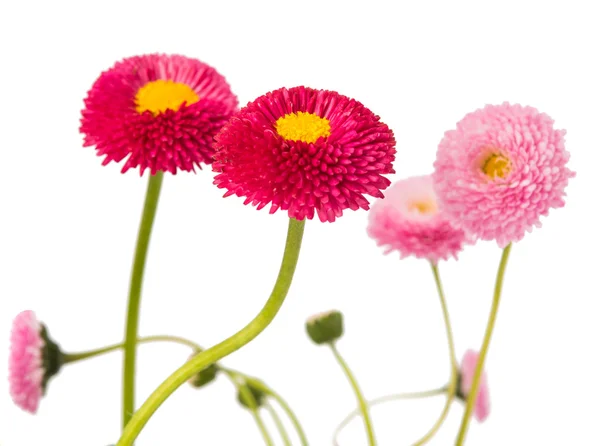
<point x="302" y="126"/>
<point x="160" y="95"/>
<point x="425" y="207"/>
<point x="496" y="166"/>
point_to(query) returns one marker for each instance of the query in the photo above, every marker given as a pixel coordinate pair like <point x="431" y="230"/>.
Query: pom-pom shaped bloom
<point x="304" y="150"/>
<point x="501" y="169"/>
<point x="467" y="371"/>
<point x="410" y="221"/>
<point x="161" y="112"/>
<point x="34" y="359"/>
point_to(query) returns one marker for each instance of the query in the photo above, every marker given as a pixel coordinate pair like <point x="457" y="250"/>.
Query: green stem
<point x="464" y="425"/>
<point x="73" y="357"/>
<point x="228" y="346"/>
<point x="451" y="391"/>
<point x="280" y="427"/>
<point x="284" y="405"/>
<point x="247" y="395"/>
<point x="135" y="291"/>
<point x="386" y="399"/>
<point x="362" y="403"/>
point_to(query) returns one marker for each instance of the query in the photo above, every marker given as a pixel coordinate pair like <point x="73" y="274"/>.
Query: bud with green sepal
<point x="250" y="396"/>
<point x="204" y="376"/>
<point x="325" y="328"/>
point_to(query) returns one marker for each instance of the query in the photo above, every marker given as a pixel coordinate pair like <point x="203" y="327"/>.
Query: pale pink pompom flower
<point x="500" y="170"/>
<point x="34" y="358"/>
<point x="467" y="371"/>
<point x="410" y="221"/>
<point x="26" y="368"/>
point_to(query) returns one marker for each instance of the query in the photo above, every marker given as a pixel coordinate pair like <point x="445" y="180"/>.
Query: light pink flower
<point x="34" y="359"/>
<point x="467" y="370"/>
<point x="26" y="369"/>
<point x="409" y="220"/>
<point x="502" y="168"/>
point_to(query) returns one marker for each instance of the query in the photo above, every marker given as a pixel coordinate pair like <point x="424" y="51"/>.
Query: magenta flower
<point x="34" y="359"/>
<point x="304" y="151"/>
<point x="467" y="370"/>
<point x="500" y="170"/>
<point x="159" y="112"/>
<point x="409" y="220"/>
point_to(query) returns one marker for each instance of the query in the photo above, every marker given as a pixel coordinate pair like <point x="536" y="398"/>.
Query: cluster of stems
<point x="134" y="420"/>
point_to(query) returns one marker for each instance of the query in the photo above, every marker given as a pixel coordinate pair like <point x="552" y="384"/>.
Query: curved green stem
<point x="386" y="399"/>
<point x="362" y="403"/>
<point x="451" y="392"/>
<point x="73" y="357"/>
<point x="280" y="427"/>
<point x="135" y="292"/>
<point x="464" y="425"/>
<point x="228" y="346"/>
<point x="284" y="405"/>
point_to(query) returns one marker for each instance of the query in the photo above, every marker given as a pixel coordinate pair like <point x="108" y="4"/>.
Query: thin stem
<point x="386" y="399"/>
<point x="262" y="427"/>
<point x="280" y="427"/>
<point x="73" y="357"/>
<point x="362" y="403"/>
<point x="247" y="395"/>
<point x="284" y="405"/>
<point x="451" y="391"/>
<point x="135" y="292"/>
<point x="228" y="346"/>
<point x="464" y="425"/>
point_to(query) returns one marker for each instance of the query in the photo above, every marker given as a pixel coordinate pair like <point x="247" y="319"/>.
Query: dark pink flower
<point x="409" y="220"/>
<point x="467" y="371"/>
<point x="304" y="150"/>
<point x="159" y="112"/>
<point x="500" y="170"/>
<point x="34" y="359"/>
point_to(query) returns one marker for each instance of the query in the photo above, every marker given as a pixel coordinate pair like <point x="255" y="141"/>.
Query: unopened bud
<point x="204" y="376"/>
<point x="250" y="396"/>
<point x="325" y="327"/>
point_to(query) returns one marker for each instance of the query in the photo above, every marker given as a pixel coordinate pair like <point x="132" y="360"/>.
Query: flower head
<point x="160" y="112"/>
<point x="324" y="328"/>
<point x="502" y="168"/>
<point x="34" y="359"/>
<point x="482" y="400"/>
<point x="304" y="150"/>
<point x="410" y="221"/>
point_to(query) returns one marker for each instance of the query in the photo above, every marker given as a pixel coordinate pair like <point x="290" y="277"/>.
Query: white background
<point x="68" y="225"/>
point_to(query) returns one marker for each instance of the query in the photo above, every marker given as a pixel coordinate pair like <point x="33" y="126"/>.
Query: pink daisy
<point x="409" y="220"/>
<point x="467" y="370"/>
<point x="160" y="112"/>
<point x="34" y="359"/>
<point x="304" y="150"/>
<point x="502" y="168"/>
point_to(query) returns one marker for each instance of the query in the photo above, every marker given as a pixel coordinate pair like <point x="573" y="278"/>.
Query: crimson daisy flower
<point x="159" y="112"/>
<point x="304" y="150"/>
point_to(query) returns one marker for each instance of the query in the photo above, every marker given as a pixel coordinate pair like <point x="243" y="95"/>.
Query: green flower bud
<point x="204" y="376"/>
<point x="325" y="327"/>
<point x="258" y="396"/>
